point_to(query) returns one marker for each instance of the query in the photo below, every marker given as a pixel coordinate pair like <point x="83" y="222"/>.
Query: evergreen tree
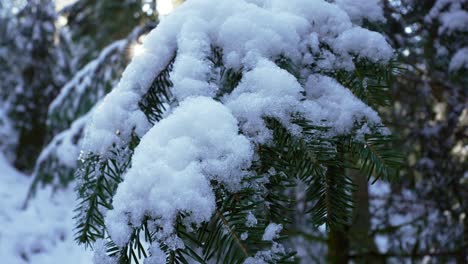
<point x="229" y="145"/>
<point x="95" y="24"/>
<point x="39" y="68"/>
<point x="69" y="113"/>
<point x="430" y="113"/>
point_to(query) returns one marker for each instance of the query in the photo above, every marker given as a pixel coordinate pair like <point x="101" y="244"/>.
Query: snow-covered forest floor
<point x="41" y="233"/>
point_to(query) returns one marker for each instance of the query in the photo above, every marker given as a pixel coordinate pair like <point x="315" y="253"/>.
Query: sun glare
<point x="164" y="7"/>
<point x="136" y="49"/>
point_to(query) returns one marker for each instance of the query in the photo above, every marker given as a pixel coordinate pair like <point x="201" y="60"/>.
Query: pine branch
<point x="225" y="79"/>
<point x="100" y="179"/>
<point x="370" y="82"/>
<point x="159" y="94"/>
<point x="135" y="250"/>
<point x="333" y="193"/>
<point x="377" y="156"/>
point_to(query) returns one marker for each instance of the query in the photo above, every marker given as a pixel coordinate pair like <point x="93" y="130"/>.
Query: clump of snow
<point x="459" y="60"/>
<point x="251" y="220"/>
<point x="364" y="44"/>
<point x="359" y="10"/>
<point x="272" y="231"/>
<point x="453" y="21"/>
<point x="244" y="236"/>
<point x="174" y="164"/>
<point x="451" y="16"/>
<point x="41" y="233"/>
<point x="251" y="34"/>
<point x="259" y="95"/>
<point x="336" y="105"/>
<point x="267" y="256"/>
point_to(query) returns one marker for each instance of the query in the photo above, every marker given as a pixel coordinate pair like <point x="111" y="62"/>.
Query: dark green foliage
<point x="371" y="83"/>
<point x="100" y="178"/>
<point x="159" y="94"/>
<point x="377" y="157"/>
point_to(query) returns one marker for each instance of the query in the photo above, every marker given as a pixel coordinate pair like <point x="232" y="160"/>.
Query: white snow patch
<point x="174" y="164"/>
<point x="41" y="233"/>
<point x="459" y="61"/>
<point x="359" y="10"/>
<point x="272" y="231"/>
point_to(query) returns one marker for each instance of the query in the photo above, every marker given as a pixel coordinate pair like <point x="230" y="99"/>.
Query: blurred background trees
<point x="55" y="65"/>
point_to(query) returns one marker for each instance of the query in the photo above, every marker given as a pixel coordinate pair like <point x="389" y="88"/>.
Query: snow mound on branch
<point x="259" y="95"/>
<point x="364" y="43"/>
<point x="450" y="14"/>
<point x="459" y="60"/>
<point x="335" y="105"/>
<point x="174" y="164"/>
<point x="454" y="21"/>
<point x="203" y="141"/>
<point x="313" y="34"/>
<point x="272" y="231"/>
<point x="359" y="10"/>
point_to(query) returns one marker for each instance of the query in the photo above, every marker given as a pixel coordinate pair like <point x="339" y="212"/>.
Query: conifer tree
<point x="69" y="112"/>
<point x="95" y="24"/>
<point x="41" y="67"/>
<point x="232" y="134"/>
<point x="430" y="102"/>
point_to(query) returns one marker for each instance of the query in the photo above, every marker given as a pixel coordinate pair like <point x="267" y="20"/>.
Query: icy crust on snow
<point x="459" y="60"/>
<point x="249" y="33"/>
<point x="174" y="164"/>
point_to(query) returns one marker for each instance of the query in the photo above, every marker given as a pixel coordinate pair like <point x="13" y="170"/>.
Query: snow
<point x="365" y="44"/>
<point x="459" y="60"/>
<point x="251" y="34"/>
<point x="41" y="233"/>
<point x="359" y="10"/>
<point x="453" y="21"/>
<point x="251" y="221"/>
<point x="8" y="135"/>
<point x="450" y="15"/>
<point x="259" y="95"/>
<point x="63" y="145"/>
<point x="267" y="256"/>
<point x="332" y="102"/>
<point x="204" y="142"/>
<point x="84" y="78"/>
<point x="272" y="231"/>
<point x="174" y="164"/>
